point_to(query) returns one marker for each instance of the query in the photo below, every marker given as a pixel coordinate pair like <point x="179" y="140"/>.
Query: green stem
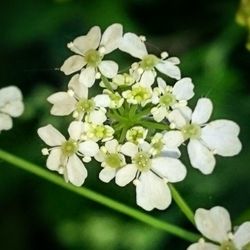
<point x="154" y="125"/>
<point x="107" y="83"/>
<point x="89" y="194"/>
<point x="182" y="204"/>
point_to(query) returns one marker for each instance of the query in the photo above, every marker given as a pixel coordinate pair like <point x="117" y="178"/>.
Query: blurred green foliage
<point x="38" y="215"/>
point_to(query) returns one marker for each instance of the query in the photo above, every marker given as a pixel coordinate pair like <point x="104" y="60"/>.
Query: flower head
<point x="63" y="156"/>
<point x="90" y="50"/>
<point x="206" y="139"/>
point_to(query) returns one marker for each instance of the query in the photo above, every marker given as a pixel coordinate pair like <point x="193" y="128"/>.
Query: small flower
<point x="111" y="160"/>
<point x="97" y="132"/>
<point x="145" y="69"/>
<point x="215" y="225"/>
<point x="90" y="50"/>
<point x="139" y="94"/>
<point x="150" y="175"/>
<point x="11" y="105"/>
<point x="167" y="97"/>
<point x="136" y="134"/>
<point x="205" y="140"/>
<point x="115" y="98"/>
<point x="76" y="101"/>
<point x="64" y="154"/>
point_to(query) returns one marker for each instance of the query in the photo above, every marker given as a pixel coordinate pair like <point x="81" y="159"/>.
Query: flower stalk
<point x="91" y="195"/>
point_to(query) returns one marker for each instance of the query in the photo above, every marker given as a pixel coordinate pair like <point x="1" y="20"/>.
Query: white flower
<point x="11" y="105"/>
<point x="64" y="154"/>
<point x="76" y="101"/>
<point x="136" y="134"/>
<point x="111" y="160"/>
<point x="139" y="94"/>
<point x="167" y="97"/>
<point x="215" y="225"/>
<point x="90" y="50"/>
<point x="145" y="69"/>
<point x="97" y="132"/>
<point x="206" y="139"/>
<point x="151" y="175"/>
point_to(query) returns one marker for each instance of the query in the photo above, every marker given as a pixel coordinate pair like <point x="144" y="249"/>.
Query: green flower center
<point x="227" y="245"/>
<point x="93" y="57"/>
<point x="191" y="131"/>
<point x="167" y="100"/>
<point x="85" y="105"/>
<point x="100" y="131"/>
<point x="158" y="146"/>
<point x="148" y="62"/>
<point x="135" y="134"/>
<point x="142" y="161"/>
<point x="69" y="147"/>
<point x="140" y="94"/>
<point x="114" y="160"/>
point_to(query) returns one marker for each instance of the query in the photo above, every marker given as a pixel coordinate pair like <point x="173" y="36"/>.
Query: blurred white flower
<point x="145" y="69"/>
<point x="206" y="139"/>
<point x="215" y="225"/>
<point x="11" y="105"/>
<point x="90" y="50"/>
<point x="150" y="175"/>
<point x="64" y="154"/>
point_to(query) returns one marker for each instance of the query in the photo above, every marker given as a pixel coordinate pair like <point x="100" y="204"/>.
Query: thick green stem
<point x="43" y="173"/>
<point x="182" y="204"/>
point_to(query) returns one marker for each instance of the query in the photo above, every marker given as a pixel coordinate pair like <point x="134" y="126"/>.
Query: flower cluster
<point x="132" y="121"/>
<point x="215" y="225"/>
<point x="11" y="105"/>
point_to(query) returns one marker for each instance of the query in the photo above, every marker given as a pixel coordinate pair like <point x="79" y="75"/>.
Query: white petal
<point x="54" y="159"/>
<point x="9" y="94"/>
<point x="173" y="139"/>
<point x="214" y="224"/>
<point x="177" y="118"/>
<point x="202" y="111"/>
<point x="88" y="148"/>
<point x="111" y="37"/>
<point x="63" y="103"/>
<point x="169" y="69"/>
<point x="108" y="68"/>
<point x="183" y="89"/>
<point x="148" y="77"/>
<point x="84" y="43"/>
<point x="159" y="113"/>
<point x="242" y="235"/>
<point x="76" y="171"/>
<point x="107" y="174"/>
<point x="73" y="64"/>
<point x="11" y="101"/>
<point x="125" y="175"/>
<point x="203" y="246"/>
<point x="111" y="146"/>
<point x="171" y="169"/>
<point x="97" y="117"/>
<point x="87" y="76"/>
<point x="75" y="130"/>
<point x="129" y="149"/>
<point x="79" y="88"/>
<point x="161" y="84"/>
<point x="102" y="100"/>
<point x="201" y="157"/>
<point x="222" y="136"/>
<point x="5" y="122"/>
<point x="170" y="152"/>
<point x="51" y="136"/>
<point x="152" y="192"/>
<point x="133" y="45"/>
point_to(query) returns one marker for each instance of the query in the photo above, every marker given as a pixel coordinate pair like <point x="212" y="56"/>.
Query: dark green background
<point x="35" y="214"/>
